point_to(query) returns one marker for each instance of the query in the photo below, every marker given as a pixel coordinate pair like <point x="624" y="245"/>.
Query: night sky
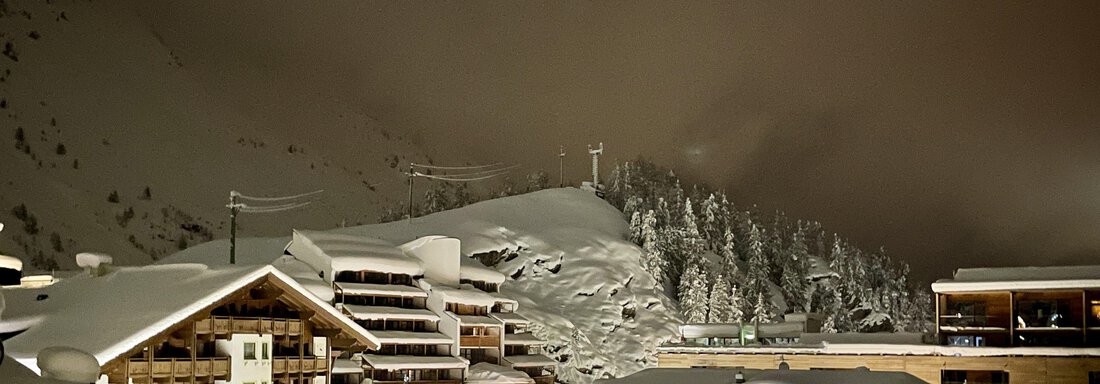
<point x="955" y="134"/>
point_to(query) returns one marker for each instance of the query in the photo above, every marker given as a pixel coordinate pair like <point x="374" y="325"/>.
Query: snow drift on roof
<point x="397" y="290"/>
<point x="465" y="294"/>
<point x="407" y="337"/>
<point x="1020" y="278"/>
<point x="510" y="317"/>
<point x="11" y="262"/>
<point x="492" y="373"/>
<point x="472" y="269"/>
<point x="379" y="312"/>
<point x="395" y="362"/>
<point x="339" y="252"/>
<point x="536" y="360"/>
<point x="526" y="338"/>
<point x="477" y="320"/>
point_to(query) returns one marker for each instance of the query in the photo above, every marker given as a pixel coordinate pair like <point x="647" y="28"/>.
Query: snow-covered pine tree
<point x="712" y="223"/>
<point x="729" y="256"/>
<point x="693" y="294"/>
<point x="692" y="240"/>
<point x="720" y="306"/>
<point x="633" y="204"/>
<point x="636" y="228"/>
<point x="793" y="281"/>
<point x="653" y="260"/>
<point x="757" y="278"/>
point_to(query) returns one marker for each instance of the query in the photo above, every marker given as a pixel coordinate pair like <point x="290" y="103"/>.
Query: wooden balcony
<point x="282" y="364"/>
<point x="225" y="325"/>
<point x="444" y="381"/>
<point x="180" y="367"/>
<point x="479" y="341"/>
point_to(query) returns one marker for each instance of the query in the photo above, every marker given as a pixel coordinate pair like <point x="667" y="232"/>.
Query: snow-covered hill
<point x="103" y="99"/>
<point x="571" y="270"/>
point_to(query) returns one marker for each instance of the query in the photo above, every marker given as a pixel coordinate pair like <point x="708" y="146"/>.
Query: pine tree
<point x="720" y="306"/>
<point x="737" y="302"/>
<point x="793" y="281"/>
<point x="712" y="223"/>
<point x="693" y="294"/>
<point x="633" y="204"/>
<point x="729" y="256"/>
<point x="653" y="261"/>
<point x="692" y="240"/>
<point x="757" y="287"/>
<point x="636" y="228"/>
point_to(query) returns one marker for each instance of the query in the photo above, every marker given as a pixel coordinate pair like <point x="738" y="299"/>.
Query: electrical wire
<point x="445" y="178"/>
<point x="271" y="209"/>
<point x="464" y="167"/>
<point x="508" y="168"/>
<point x="281" y="198"/>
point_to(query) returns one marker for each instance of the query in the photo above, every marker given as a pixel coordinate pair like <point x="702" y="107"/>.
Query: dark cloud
<point x="954" y="133"/>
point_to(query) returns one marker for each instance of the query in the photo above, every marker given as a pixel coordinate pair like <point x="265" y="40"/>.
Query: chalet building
<point x="993" y="325"/>
<point x="181" y="323"/>
<point x="432" y="309"/>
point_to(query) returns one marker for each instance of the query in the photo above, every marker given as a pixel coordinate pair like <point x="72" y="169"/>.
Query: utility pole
<point x="561" y="166"/>
<point x="412" y="176"/>
<point x="234" y="208"/>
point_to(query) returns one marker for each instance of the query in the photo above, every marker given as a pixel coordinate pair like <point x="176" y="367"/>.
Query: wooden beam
<point x="327" y="332"/>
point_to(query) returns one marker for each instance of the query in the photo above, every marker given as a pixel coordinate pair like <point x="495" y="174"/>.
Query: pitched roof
<point x="111" y="315"/>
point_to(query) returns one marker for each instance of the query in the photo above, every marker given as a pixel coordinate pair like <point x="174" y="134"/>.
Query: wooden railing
<point x="223" y="325"/>
<point x="479" y="341"/>
<point x="442" y="381"/>
<point x="282" y="364"/>
<point x="180" y="367"/>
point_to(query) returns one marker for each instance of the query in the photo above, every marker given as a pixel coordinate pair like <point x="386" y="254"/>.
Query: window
<point x="250" y="353"/>
<point x="1094" y="377"/>
<point x="974" y="377"/>
<point x="265" y="355"/>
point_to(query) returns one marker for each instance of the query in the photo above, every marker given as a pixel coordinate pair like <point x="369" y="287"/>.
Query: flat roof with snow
<point x="475" y="320"/>
<point x="395" y="362"/>
<point x="1020" y="278"/>
<point x="408" y="337"/>
<point x="875" y="344"/>
<point x="396" y="290"/>
<point x="510" y="317"/>
<point x="536" y="360"/>
<point x="526" y="338"/>
<point x="381" y="312"/>
<point x="339" y="252"/>
<point x="471" y="269"/>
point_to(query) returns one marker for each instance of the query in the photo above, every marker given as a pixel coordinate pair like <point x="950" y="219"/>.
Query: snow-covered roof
<point x="464" y="294"/>
<point x="379" y="312"/>
<point x="306" y="276"/>
<point x="397" y="290"/>
<point x="407" y="337"/>
<point x="472" y="269"/>
<point x="536" y="360"/>
<point x="782" y="329"/>
<point x="863" y="338"/>
<point x="525" y="338"/>
<point x="849" y="345"/>
<point x="501" y="298"/>
<point x="769" y="376"/>
<point x="395" y="362"/>
<point x="477" y="320"/>
<point x="11" y="262"/>
<point x="495" y="374"/>
<point x="340" y="252"/>
<point x="1020" y="278"/>
<point x="15" y="373"/>
<point x="342" y="366"/>
<point x="83" y="312"/>
<point x="510" y="317"/>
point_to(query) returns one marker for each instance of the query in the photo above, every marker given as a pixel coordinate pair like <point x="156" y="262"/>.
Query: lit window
<point x="250" y="353"/>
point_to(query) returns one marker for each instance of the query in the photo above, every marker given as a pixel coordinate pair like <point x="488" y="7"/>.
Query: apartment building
<point x="993" y="325"/>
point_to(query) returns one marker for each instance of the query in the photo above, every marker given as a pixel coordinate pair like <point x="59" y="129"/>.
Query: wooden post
<point x="1084" y="318"/>
<point x="412" y="176"/>
<point x="1011" y="318"/>
<point x="194" y="349"/>
<point x="938" y="314"/>
<point x="561" y="166"/>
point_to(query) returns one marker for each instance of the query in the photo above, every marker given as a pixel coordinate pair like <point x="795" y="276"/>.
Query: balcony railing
<point x="479" y="341"/>
<point x="224" y="325"/>
<point x="281" y="364"/>
<point x="442" y="381"/>
<point x="181" y="367"/>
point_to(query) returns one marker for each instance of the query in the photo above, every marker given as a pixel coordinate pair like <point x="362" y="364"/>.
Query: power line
<point x="274" y="208"/>
<point x="445" y="178"/>
<point x="281" y="198"/>
<point x="479" y="173"/>
<point x="463" y="167"/>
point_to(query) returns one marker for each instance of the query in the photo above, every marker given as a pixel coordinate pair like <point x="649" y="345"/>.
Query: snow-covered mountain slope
<point x="574" y="275"/>
<point x="103" y="102"/>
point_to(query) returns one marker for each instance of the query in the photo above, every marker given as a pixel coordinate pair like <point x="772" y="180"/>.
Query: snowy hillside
<point x="94" y="99"/>
<point x="571" y="270"/>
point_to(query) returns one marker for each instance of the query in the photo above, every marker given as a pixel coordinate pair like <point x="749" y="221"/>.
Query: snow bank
<point x="492" y="373"/>
<point x="68" y="364"/>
